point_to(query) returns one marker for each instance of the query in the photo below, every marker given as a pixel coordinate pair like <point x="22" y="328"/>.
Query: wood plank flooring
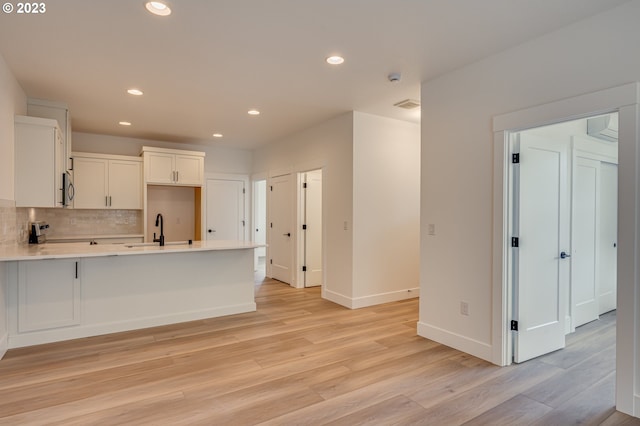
<point x="301" y="360"/>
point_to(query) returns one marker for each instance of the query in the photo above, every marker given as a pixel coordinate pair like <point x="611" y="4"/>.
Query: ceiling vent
<point x="604" y="127"/>
<point x="408" y="104"/>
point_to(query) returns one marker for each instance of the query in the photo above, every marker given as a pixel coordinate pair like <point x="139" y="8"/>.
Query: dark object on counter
<point x="38" y="232"/>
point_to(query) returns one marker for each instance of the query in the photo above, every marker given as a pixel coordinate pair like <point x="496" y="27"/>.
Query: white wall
<point x="386" y="209"/>
<point x="13" y="101"/>
<point x="328" y="146"/>
<point x="457" y="157"/>
<point x="217" y="160"/>
<point x="371" y="181"/>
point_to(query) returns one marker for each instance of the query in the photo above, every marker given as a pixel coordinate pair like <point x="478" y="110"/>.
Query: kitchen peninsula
<point x="61" y="291"/>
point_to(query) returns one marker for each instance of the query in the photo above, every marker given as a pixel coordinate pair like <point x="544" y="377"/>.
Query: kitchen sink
<point x="169" y="243"/>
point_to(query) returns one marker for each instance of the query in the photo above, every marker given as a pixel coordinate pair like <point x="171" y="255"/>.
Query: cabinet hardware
<point x="106" y="201"/>
<point x="109" y="200"/>
<point x="76" y="270"/>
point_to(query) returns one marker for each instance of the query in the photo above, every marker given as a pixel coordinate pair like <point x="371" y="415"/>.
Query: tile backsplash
<point x="14" y="223"/>
<point x="85" y="222"/>
<point x="11" y="225"/>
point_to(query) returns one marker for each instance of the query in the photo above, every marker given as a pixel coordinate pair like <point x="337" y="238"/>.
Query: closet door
<point x="584" y="232"/>
<point x="608" y="241"/>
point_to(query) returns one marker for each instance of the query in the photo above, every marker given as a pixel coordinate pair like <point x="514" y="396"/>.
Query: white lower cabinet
<point x="48" y="294"/>
<point x="107" y="182"/>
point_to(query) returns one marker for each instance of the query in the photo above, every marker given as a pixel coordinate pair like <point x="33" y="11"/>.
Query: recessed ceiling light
<point x="135" y="92"/>
<point x="335" y="60"/>
<point x="253" y="112"/>
<point x="217" y="135"/>
<point x="124" y="123"/>
<point x="159" y="8"/>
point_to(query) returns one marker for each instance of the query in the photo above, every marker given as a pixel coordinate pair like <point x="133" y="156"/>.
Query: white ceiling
<point x="204" y="66"/>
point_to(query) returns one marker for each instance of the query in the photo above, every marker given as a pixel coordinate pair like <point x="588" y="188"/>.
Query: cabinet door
<point x="159" y="168"/>
<point x="48" y="294"/>
<point x="189" y="170"/>
<point x="58" y="112"/>
<point x="90" y="181"/>
<point x="125" y="184"/>
<point x="38" y="179"/>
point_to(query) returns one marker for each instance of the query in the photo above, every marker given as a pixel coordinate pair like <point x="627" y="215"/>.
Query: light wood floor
<point x="300" y="360"/>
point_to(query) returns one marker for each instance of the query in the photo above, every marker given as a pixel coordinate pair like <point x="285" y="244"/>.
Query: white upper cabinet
<point x="107" y="181"/>
<point x="173" y="167"/>
<point x="57" y="111"/>
<point x="39" y="162"/>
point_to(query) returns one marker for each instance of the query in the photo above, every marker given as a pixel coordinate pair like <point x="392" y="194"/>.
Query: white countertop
<point x="72" y="250"/>
<point x="82" y="238"/>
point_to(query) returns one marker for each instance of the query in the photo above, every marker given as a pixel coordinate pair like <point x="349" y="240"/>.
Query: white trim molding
<point x="457" y="341"/>
<point x="371" y="300"/>
<point x="626" y="100"/>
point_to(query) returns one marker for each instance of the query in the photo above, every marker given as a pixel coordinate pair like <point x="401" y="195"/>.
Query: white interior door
<point x="281" y="228"/>
<point x="608" y="242"/>
<point x="584" y="241"/>
<point x="225" y="209"/>
<point x="313" y="231"/>
<point x="541" y="275"/>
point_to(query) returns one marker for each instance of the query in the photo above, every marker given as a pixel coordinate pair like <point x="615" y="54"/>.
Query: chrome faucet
<point x="160" y="221"/>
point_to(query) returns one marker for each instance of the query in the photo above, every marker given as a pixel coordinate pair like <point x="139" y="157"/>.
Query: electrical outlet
<point x="464" y="308"/>
<point x="431" y="229"/>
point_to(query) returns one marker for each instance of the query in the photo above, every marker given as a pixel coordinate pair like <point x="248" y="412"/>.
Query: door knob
<point x="211" y="230"/>
<point x="288" y="234"/>
<point x="564" y="255"/>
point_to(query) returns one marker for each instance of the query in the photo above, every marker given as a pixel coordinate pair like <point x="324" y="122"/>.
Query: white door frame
<point x="626" y="100"/>
<point x="300" y="250"/>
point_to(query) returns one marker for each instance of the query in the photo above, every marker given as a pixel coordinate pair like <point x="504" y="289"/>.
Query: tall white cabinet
<point x="39" y="162"/>
<point x="57" y="111"/>
<point x="107" y="181"/>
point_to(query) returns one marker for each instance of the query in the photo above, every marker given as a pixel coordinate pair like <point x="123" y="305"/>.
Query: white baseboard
<point x="378" y="299"/>
<point x="636" y="406"/>
<point x="4" y="345"/>
<point x="462" y="343"/>
<point x="77" y="332"/>
<point x="371" y="300"/>
<point x="338" y="298"/>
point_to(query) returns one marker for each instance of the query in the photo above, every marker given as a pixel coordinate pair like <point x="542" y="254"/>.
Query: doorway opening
<point x="563" y="182"/>
<point x="260" y="226"/>
<point x="624" y="99"/>
<point x="310" y="244"/>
